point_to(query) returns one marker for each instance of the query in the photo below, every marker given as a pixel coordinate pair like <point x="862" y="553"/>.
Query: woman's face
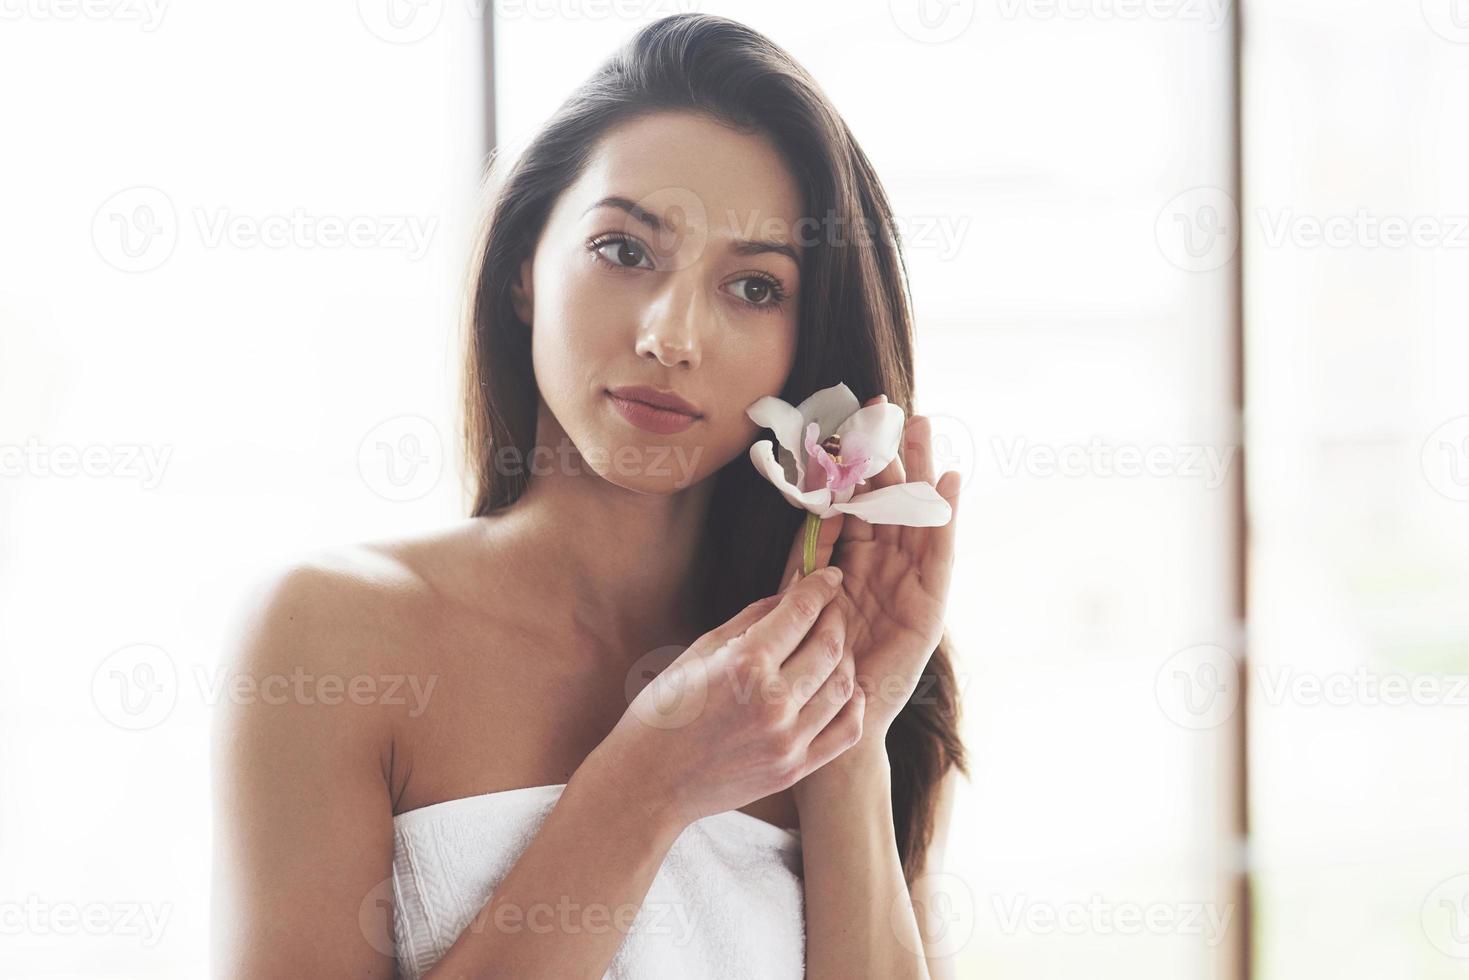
<point x="672" y="264"/>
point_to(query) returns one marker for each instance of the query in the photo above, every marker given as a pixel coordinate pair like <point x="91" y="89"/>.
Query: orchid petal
<point x="816" y="501"/>
<point x="779" y="417"/>
<point x="915" y="504"/>
<point x="828" y="408"/>
<point x="876" y="431"/>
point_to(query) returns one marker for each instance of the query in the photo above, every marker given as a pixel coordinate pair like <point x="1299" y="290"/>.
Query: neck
<point x="626" y="560"/>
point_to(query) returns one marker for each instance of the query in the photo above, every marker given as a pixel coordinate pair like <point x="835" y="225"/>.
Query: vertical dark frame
<point x="1239" y="829"/>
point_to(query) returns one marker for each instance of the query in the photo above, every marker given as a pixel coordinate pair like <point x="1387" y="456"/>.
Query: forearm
<point x="859" y="921"/>
<point x="569" y="901"/>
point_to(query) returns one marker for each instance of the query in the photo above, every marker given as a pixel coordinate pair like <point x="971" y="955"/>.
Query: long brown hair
<point x="854" y="313"/>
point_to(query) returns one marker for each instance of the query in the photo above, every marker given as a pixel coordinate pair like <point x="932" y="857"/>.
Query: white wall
<point x="251" y="371"/>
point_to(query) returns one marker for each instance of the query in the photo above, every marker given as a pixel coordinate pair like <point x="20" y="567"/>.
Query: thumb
<point x="831" y="530"/>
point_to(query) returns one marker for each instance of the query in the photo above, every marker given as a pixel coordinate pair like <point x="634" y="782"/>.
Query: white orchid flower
<point x="830" y="445"/>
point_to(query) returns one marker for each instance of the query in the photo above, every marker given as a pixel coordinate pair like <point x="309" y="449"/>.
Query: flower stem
<point x="813" y="531"/>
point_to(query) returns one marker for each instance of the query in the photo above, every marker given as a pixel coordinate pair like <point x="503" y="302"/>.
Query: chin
<point x="656" y="468"/>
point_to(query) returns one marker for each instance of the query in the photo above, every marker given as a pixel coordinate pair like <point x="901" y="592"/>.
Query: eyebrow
<point x="742" y="246"/>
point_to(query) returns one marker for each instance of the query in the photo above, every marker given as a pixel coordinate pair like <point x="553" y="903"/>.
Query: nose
<point x="670" y="332"/>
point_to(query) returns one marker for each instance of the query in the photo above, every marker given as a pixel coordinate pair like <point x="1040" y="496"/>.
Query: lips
<point x="652" y="410"/>
<point x="666" y="400"/>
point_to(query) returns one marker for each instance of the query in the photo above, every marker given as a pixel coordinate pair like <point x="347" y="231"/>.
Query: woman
<point x="681" y="231"/>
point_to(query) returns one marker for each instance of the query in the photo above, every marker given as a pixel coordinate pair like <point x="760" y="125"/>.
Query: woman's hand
<point x="746" y="711"/>
<point x="894" y="588"/>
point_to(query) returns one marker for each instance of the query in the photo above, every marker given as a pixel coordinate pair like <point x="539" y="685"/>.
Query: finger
<point x="917" y="449"/>
<point x="819" y="654"/>
<point x="826" y="703"/>
<point x="918" y="462"/>
<point x="782" y="628"/>
<point x="831" y="529"/>
<point x="840" y="734"/>
<point x="939" y="556"/>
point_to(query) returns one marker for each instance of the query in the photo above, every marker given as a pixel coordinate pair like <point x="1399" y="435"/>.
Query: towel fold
<point x="727" y="902"/>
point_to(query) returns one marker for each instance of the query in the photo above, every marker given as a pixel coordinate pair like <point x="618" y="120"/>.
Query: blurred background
<point x="1192" y="285"/>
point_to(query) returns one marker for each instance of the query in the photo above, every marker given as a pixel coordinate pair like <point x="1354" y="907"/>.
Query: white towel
<point x="727" y="903"/>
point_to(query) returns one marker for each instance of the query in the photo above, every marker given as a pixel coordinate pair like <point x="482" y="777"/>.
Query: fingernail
<point x="831" y="574"/>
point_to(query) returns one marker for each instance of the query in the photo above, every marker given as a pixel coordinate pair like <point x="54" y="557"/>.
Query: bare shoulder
<point x="317" y="610"/>
<point x="348" y="603"/>
<point x="350" y="625"/>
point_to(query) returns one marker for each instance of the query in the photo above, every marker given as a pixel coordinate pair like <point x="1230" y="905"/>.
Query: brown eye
<point x="756" y="291"/>
<point x="624" y="252"/>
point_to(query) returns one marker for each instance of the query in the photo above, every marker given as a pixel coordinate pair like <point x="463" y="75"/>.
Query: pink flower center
<point x="827" y="468"/>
